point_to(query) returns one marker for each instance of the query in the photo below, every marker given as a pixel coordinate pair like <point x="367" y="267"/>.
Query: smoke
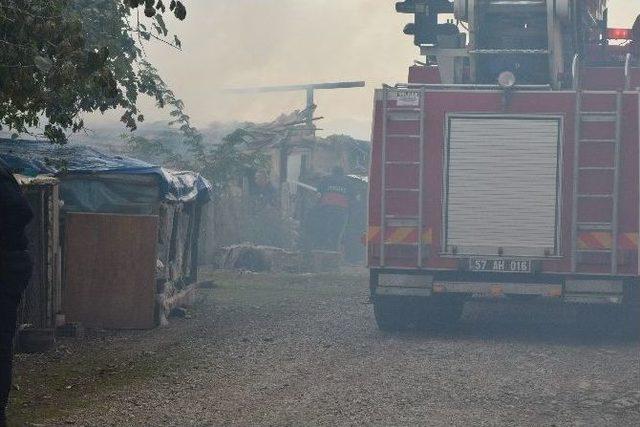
<point x="244" y="43"/>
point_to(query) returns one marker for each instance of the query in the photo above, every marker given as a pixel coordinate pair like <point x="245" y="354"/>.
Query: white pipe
<point x="575" y="72"/>
<point x="627" y="72"/>
<point x="306" y="186"/>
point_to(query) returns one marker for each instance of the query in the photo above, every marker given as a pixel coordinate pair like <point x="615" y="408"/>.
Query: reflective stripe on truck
<point x="399" y="236"/>
<point x="604" y="241"/>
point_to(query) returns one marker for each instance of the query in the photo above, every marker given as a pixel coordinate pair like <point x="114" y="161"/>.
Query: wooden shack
<point x="129" y="232"/>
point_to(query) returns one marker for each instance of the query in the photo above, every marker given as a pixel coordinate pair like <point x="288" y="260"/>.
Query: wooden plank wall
<point x="41" y="300"/>
<point x="110" y="268"/>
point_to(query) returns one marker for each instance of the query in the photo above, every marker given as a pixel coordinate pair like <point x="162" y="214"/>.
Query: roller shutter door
<point x="502" y="186"/>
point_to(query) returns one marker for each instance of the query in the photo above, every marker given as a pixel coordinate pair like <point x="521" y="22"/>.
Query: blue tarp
<point x="33" y="158"/>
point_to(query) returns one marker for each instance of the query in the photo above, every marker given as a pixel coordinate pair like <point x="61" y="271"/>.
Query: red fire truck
<point x="508" y="165"/>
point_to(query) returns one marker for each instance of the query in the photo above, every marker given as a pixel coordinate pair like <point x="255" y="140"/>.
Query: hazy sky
<point x="234" y="43"/>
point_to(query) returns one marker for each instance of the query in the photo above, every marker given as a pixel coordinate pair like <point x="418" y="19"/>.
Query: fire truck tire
<point x="442" y="312"/>
<point x="631" y="310"/>
<point x="622" y="319"/>
<point x="394" y="314"/>
<point x="404" y="313"/>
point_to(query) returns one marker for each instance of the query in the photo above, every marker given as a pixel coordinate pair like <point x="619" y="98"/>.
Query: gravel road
<point x="304" y="350"/>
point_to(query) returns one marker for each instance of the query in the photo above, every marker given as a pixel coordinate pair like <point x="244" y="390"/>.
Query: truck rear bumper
<point x="567" y="289"/>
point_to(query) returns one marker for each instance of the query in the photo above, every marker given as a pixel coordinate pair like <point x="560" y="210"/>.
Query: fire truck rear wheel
<point x="394" y="313"/>
<point x="621" y="320"/>
<point x="442" y="312"/>
<point x="631" y="310"/>
<point x="403" y="313"/>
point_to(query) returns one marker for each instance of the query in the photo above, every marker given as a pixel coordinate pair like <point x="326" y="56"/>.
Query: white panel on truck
<point x="502" y="185"/>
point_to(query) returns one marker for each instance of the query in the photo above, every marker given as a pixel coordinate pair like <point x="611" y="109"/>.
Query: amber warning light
<point x="619" y="34"/>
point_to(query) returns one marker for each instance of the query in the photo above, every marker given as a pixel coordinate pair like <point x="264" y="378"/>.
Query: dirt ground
<point x="304" y="350"/>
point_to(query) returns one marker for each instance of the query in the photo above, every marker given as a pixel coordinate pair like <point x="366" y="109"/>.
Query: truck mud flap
<point x="601" y="291"/>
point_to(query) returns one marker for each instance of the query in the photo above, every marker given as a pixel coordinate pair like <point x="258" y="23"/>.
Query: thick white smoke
<point x="269" y="42"/>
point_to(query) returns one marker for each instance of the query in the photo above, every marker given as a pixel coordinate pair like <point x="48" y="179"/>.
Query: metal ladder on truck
<point x="408" y="113"/>
<point x="613" y="141"/>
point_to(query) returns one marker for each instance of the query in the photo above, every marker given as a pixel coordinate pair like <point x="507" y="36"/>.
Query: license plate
<point x="500" y="265"/>
<point x="408" y="99"/>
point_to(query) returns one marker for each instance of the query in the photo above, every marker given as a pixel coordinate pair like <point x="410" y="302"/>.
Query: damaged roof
<point x="259" y="136"/>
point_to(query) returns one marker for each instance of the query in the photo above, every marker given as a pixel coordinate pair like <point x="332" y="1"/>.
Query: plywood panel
<point x="110" y="263"/>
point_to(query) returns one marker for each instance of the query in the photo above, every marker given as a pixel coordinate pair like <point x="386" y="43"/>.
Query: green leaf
<point x="91" y="55"/>
<point x="162" y="24"/>
<point x="180" y="11"/>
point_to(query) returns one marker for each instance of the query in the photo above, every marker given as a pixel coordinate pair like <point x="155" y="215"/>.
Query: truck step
<point x="595" y="251"/>
<point x="404" y="109"/>
<point x="597" y="168"/>
<point x="595" y="196"/>
<point x="595" y="226"/>
<point x="401" y="163"/>
<point x="399" y="135"/>
<point x="598" y="116"/>
<point x="406" y="190"/>
<point x="402" y="222"/>
<point x="598" y="141"/>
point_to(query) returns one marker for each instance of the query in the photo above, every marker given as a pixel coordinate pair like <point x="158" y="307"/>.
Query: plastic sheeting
<point x="71" y="161"/>
<point x="111" y="193"/>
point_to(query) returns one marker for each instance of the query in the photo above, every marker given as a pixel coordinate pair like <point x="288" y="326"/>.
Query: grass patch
<point x="67" y="385"/>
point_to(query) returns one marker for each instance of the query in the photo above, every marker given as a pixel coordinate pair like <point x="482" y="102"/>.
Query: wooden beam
<point x="295" y="88"/>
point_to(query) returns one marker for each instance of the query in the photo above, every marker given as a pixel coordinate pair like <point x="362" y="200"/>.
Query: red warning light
<point x="619" y="34"/>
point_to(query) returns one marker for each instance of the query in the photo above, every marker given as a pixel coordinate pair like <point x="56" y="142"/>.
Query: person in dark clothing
<point x="635" y="42"/>
<point x="15" y="272"/>
<point x="332" y="212"/>
<point x="262" y="191"/>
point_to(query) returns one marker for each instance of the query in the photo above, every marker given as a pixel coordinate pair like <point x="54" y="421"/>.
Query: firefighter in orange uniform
<point x="329" y="219"/>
